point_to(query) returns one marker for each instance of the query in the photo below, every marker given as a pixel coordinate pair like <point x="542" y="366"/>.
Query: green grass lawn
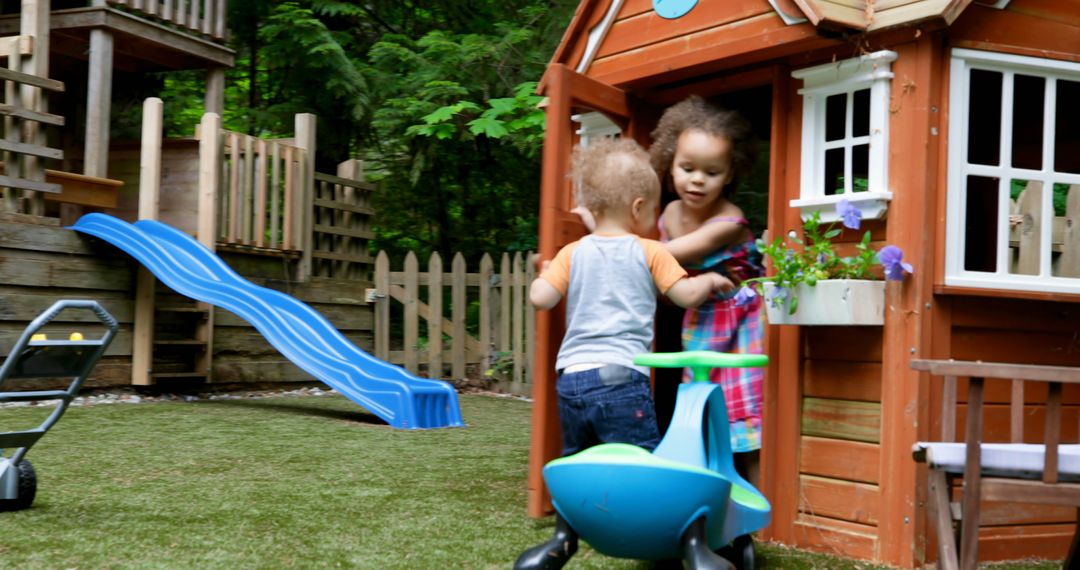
<point x="286" y="482"/>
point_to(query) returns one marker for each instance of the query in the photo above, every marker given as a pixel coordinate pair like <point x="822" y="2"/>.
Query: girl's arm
<point x="694" y="246"/>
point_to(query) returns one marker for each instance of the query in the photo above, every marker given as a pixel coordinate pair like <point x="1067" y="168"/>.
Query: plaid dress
<point x="720" y="325"/>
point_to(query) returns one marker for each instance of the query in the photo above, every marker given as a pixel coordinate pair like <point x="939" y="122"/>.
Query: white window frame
<point x="963" y="61"/>
<point x="871" y="71"/>
<point x="595" y="125"/>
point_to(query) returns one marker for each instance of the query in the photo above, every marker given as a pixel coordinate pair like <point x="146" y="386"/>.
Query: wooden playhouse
<point x="953" y="125"/>
<point x="260" y="202"/>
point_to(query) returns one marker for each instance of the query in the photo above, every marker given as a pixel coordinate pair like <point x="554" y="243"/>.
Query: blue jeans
<point x="612" y="404"/>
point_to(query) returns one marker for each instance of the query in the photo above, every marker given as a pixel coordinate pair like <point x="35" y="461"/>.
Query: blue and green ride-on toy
<point x="683" y="500"/>
<point x="35" y="356"/>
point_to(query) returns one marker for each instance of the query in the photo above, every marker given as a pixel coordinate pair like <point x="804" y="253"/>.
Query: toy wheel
<point x="744" y="552"/>
<point x="27" y="488"/>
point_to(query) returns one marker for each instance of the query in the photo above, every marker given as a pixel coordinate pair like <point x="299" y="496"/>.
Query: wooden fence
<point x="205" y="17"/>
<point x="1025" y="233"/>
<point x="495" y="340"/>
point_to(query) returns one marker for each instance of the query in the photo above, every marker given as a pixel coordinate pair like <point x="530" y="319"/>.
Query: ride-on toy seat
<point x="35" y="356"/>
<point x="683" y="500"/>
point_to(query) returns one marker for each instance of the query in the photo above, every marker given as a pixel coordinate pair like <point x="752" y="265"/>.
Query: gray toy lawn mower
<point x="35" y="356"/>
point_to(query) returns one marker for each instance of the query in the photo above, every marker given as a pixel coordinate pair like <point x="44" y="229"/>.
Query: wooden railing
<point x="259" y="191"/>
<point x="341" y="225"/>
<point x="23" y="140"/>
<point x="1025" y="232"/>
<point x="206" y="17"/>
<point x="499" y="349"/>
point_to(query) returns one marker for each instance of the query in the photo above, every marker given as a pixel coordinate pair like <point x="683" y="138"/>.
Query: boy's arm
<point x="543" y="295"/>
<point x="693" y="291"/>
<point x="549" y="287"/>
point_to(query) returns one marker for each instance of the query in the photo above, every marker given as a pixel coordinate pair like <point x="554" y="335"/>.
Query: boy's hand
<point x="719" y="284"/>
<point x="586" y="217"/>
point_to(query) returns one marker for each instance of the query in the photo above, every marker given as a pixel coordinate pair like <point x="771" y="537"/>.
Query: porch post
<point x="98" y="101"/>
<point x="215" y="91"/>
<point x="142" y="344"/>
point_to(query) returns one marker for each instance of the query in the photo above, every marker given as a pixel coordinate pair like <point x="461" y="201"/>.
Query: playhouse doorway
<point x="751" y="194"/>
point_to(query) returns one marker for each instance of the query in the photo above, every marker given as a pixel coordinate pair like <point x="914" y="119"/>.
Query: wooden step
<point x="182" y="309"/>
<point x="177" y="375"/>
<point x="181" y="342"/>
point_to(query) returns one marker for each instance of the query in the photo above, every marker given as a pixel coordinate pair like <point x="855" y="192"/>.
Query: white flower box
<point x="831" y="302"/>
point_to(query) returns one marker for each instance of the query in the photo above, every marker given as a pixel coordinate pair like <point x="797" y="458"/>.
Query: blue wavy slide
<point x="299" y="332"/>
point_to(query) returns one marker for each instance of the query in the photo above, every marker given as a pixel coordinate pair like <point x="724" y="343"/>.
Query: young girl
<point x="699" y="151"/>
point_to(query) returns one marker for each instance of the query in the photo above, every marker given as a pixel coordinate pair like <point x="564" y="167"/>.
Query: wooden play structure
<point x="259" y="202"/>
<point x="953" y="126"/>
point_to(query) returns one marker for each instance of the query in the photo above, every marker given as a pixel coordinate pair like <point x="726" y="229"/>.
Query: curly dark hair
<point x="695" y="113"/>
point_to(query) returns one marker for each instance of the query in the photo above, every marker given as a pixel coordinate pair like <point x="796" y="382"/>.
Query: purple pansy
<point x="892" y="259"/>
<point x="745" y="295"/>
<point x="778" y="295"/>
<point x="849" y="214"/>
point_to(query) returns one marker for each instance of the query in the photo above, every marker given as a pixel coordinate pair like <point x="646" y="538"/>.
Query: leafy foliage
<point x="437" y="98"/>
<point x="813" y="258"/>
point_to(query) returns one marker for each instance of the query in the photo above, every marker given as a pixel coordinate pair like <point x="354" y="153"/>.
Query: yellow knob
<point x="39" y="336"/>
<point x="76" y="336"/>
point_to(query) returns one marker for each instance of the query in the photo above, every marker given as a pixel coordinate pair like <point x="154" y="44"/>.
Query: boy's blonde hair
<point x="612" y="173"/>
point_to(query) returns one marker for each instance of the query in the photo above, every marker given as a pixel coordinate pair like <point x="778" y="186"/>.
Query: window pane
<point x="1066" y="251"/>
<point x="1027" y="128"/>
<point x="835" y="116"/>
<point x="984" y="117"/>
<point x="1067" y="128"/>
<point x="860" y="167"/>
<point x="834" y="171"/>
<point x="1025" y="226"/>
<point x="860" y="115"/>
<point x="980" y="231"/>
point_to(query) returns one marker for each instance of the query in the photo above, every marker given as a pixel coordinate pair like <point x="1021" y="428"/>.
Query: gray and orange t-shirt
<point x="610" y="284"/>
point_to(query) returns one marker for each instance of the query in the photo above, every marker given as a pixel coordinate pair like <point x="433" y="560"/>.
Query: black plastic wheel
<point x="27" y="488"/>
<point x="744" y="552"/>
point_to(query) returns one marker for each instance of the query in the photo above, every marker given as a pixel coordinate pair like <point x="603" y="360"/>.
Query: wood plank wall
<point x="641" y="45"/>
<point x="40" y="264"/>
<point x="839" y="451"/>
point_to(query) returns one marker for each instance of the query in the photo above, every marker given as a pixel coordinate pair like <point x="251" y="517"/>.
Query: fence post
<point x="435" y="313"/>
<point x="1029" y="205"/>
<point x="382" y="306"/>
<point x="484" y="282"/>
<point x="457" y="295"/>
<point x="530" y="318"/>
<point x="519" y="321"/>
<point x="305" y="139"/>
<point x="1069" y="262"/>
<point x="411" y="314"/>
<point x="505" y="286"/>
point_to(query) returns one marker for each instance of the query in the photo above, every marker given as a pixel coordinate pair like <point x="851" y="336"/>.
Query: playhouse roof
<point x="608" y="34"/>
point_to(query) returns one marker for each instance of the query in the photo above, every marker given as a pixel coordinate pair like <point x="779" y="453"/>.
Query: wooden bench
<point x="1047" y="473"/>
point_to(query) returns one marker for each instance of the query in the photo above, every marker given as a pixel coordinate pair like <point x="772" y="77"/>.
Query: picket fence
<point x="495" y="340"/>
<point x="1025" y="229"/>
